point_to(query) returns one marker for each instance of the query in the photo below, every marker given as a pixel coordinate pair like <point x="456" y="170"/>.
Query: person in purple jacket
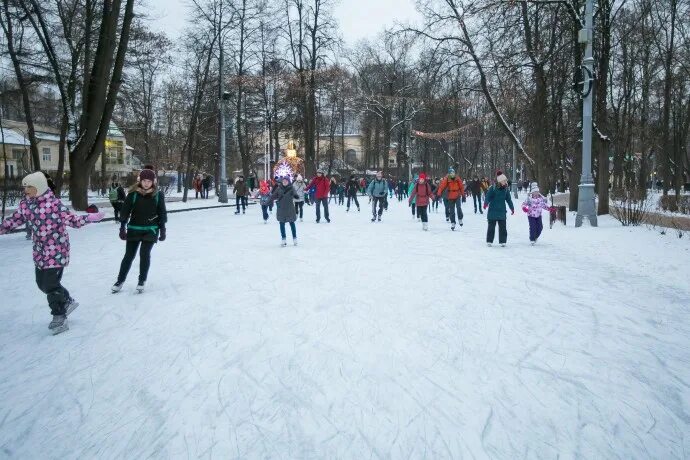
<point x="533" y="206"/>
<point x="48" y="219"/>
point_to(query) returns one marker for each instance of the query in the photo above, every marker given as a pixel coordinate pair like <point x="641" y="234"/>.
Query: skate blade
<point x="60" y="329"/>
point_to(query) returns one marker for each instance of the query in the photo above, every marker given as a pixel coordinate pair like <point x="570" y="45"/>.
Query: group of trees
<point x="475" y="81"/>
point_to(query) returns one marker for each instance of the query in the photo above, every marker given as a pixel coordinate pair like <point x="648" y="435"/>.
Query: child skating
<point x="533" y="207"/>
<point x="142" y="223"/>
<point x="264" y="199"/>
<point x="48" y="219"/>
<point x="421" y="195"/>
<point x="285" y="213"/>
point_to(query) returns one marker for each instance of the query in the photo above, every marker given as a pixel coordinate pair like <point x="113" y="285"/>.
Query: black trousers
<point x="240" y="200"/>
<point x="144" y="260"/>
<point x="299" y="208"/>
<point x="477" y="200"/>
<point x="502" y="232"/>
<point x="264" y="211"/>
<point x="353" y="198"/>
<point x="452" y="206"/>
<point x="319" y="201"/>
<point x="422" y="212"/>
<point x="48" y="281"/>
<point x="116" y="209"/>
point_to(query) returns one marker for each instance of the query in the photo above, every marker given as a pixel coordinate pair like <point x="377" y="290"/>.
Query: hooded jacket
<point x="48" y="219"/>
<point x="454" y="187"/>
<point x="321" y="186"/>
<point x="496" y="199"/>
<point x="378" y="188"/>
<point x="421" y="194"/>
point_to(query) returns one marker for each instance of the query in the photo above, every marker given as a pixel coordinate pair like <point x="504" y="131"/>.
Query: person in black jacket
<point x="351" y="190"/>
<point x="476" y="189"/>
<point x="142" y="223"/>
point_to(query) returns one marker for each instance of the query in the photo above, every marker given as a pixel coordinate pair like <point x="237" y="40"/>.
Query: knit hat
<point x="499" y="173"/>
<point x="319" y="171"/>
<point x="38" y="181"/>
<point x="451" y="171"/>
<point x="147" y="174"/>
<point x="287" y="178"/>
<point x="299" y="177"/>
<point x="502" y="179"/>
<point x="422" y="176"/>
<point x="534" y="188"/>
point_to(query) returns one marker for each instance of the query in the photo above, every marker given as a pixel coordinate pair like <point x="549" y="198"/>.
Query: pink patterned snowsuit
<point x="48" y="220"/>
<point x="535" y="205"/>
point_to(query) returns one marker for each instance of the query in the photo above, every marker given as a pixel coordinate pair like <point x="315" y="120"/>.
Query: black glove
<point x="161" y="237"/>
<point x="123" y="232"/>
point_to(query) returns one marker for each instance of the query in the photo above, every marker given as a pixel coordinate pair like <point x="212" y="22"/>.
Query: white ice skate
<point x="140" y="287"/>
<point x="294" y="241"/>
<point x="117" y="287"/>
<point x="71" y="306"/>
<point x="425" y="226"/>
<point x="58" y="324"/>
<point x="283" y="243"/>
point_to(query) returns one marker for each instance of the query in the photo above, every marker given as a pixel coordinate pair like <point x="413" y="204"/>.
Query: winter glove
<point x="123" y="232"/>
<point x="512" y="211"/>
<point x="525" y="209"/>
<point x="485" y="205"/>
<point x="161" y="237"/>
<point x="95" y="217"/>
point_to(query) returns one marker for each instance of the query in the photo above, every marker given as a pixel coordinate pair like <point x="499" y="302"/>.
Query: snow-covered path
<point x="366" y="341"/>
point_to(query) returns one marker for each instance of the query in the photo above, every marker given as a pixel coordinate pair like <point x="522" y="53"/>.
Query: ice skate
<point x="379" y="219"/>
<point x="503" y="245"/>
<point x="294" y="241"/>
<point x="140" y="287"/>
<point x="532" y="243"/>
<point x="58" y="324"/>
<point x="489" y="244"/>
<point x="117" y="287"/>
<point x="70" y="306"/>
<point x="452" y="227"/>
<point x="425" y="226"/>
<point x="283" y="243"/>
<point x="373" y="219"/>
<point x="460" y="222"/>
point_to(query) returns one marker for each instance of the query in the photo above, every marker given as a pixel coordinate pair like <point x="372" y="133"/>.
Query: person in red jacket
<point x="456" y="190"/>
<point x="322" y="186"/>
<point x="423" y="195"/>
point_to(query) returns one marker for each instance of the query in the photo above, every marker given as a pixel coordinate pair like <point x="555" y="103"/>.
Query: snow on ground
<point x="367" y="340"/>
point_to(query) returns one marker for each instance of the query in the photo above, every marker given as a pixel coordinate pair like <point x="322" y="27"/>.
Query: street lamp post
<point x="224" y="96"/>
<point x="585" y="205"/>
<point x="514" y="178"/>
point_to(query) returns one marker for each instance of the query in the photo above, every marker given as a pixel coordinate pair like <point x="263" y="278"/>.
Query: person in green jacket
<point x="413" y="202"/>
<point x="496" y="198"/>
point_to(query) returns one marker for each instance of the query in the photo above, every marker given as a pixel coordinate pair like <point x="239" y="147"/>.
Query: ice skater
<point x="142" y="223"/>
<point x="284" y="197"/>
<point x="421" y="195"/>
<point x="48" y="219"/>
<point x="496" y="198"/>
<point x="320" y="186"/>
<point x="533" y="206"/>
<point x="265" y="199"/>
<point x="377" y="190"/>
<point x="299" y="185"/>
<point x="455" y="190"/>
<point x="352" y="188"/>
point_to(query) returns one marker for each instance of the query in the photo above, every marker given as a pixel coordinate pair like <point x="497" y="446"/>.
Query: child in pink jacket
<point x="533" y="206"/>
<point x="48" y="219"/>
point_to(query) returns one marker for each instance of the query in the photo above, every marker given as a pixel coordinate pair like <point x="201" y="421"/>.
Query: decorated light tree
<point x="290" y="165"/>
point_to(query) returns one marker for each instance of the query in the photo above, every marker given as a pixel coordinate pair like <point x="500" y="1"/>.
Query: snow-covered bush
<point x="630" y="207"/>
<point x="671" y="204"/>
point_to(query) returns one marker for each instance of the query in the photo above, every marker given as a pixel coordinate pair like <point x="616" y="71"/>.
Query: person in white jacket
<point x="299" y="185"/>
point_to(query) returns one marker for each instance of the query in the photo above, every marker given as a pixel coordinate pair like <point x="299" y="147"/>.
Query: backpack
<point x="112" y="194"/>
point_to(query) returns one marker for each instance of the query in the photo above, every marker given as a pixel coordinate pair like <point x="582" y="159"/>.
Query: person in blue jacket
<point x="377" y="191"/>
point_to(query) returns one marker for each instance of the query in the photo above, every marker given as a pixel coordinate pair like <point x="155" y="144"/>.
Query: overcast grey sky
<point x="357" y="19"/>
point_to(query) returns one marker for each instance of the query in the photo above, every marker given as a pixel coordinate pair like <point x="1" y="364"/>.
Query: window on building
<point x="46" y="154"/>
<point x="351" y="156"/>
<point x="9" y="171"/>
<point x="18" y="154"/>
<point x="114" y="152"/>
<point x="391" y="162"/>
